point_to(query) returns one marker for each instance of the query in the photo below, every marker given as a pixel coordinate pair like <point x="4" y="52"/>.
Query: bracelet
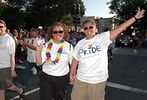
<point x="135" y="18"/>
<point x="12" y="69"/>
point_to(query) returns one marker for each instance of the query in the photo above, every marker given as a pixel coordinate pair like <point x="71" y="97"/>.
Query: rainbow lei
<point x="48" y="52"/>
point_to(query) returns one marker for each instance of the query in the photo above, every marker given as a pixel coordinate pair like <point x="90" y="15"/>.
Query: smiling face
<point x="89" y="29"/>
<point x="57" y="33"/>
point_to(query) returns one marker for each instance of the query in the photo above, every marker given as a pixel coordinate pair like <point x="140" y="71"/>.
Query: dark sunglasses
<point x="90" y="27"/>
<point x="1" y="26"/>
<point x="56" y="32"/>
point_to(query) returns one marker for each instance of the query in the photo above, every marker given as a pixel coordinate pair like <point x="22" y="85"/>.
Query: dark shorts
<point x="5" y="78"/>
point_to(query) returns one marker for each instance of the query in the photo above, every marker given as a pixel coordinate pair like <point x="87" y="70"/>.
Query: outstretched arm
<point x="114" y="33"/>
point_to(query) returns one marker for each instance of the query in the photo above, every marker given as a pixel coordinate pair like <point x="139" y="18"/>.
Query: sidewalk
<point x="131" y="51"/>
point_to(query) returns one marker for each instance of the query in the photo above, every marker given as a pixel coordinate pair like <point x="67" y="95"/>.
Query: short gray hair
<point x="89" y="21"/>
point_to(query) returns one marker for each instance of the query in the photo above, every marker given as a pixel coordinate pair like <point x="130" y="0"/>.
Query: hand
<point x="39" y="48"/>
<point x="140" y="13"/>
<point x="23" y="43"/>
<point x="72" y="79"/>
<point x="20" y="41"/>
<point x="13" y="74"/>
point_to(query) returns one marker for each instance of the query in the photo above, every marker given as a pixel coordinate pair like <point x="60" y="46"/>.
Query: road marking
<point x="110" y="84"/>
<point x="127" y="88"/>
<point x="21" y="67"/>
<point x="26" y="93"/>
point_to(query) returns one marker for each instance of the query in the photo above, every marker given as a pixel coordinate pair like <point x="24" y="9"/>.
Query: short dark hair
<point x="33" y="30"/>
<point x="3" y="22"/>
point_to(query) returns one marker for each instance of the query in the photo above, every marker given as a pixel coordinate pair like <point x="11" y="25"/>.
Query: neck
<point x="57" y="41"/>
<point x="90" y="37"/>
<point x="2" y="34"/>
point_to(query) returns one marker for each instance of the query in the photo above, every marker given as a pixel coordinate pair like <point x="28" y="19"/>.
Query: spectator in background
<point x="30" y="63"/>
<point x="20" y="49"/>
<point x="17" y="36"/>
<point x="7" y="63"/>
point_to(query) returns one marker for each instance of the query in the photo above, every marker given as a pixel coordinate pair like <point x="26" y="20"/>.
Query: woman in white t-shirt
<point x="90" y="54"/>
<point x="55" y="56"/>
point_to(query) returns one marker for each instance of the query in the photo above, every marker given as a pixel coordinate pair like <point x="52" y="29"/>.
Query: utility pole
<point x="77" y="16"/>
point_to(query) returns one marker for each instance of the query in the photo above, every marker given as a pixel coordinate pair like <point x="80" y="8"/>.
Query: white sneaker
<point x="34" y="70"/>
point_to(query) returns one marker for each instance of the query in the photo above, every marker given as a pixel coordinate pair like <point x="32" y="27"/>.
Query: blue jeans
<point x="27" y="70"/>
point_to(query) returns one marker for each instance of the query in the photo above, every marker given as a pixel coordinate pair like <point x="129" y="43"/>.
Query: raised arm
<point x="114" y="33"/>
<point x="38" y="55"/>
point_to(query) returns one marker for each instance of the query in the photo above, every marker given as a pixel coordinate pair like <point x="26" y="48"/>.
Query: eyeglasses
<point x="90" y="27"/>
<point x="1" y="26"/>
<point x="56" y="32"/>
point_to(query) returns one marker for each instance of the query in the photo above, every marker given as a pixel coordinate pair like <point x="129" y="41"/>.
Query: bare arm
<point x="114" y="33"/>
<point x="73" y="70"/>
<point x="12" y="62"/>
<point x="29" y="45"/>
<point x="16" y="40"/>
<point x="38" y="55"/>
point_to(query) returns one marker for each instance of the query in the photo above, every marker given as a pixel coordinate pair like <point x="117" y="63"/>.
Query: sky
<point x="97" y="8"/>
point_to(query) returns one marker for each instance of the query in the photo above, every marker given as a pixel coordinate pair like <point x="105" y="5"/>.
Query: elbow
<point x="38" y="64"/>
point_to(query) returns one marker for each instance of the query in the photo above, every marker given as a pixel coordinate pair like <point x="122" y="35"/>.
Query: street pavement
<point x="127" y="77"/>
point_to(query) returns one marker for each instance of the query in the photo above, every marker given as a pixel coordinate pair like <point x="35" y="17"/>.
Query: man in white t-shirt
<point x="30" y="63"/>
<point x="7" y="63"/>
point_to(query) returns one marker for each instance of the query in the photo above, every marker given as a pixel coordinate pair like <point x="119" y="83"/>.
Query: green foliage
<point x="67" y="19"/>
<point x="125" y="9"/>
<point x="33" y="13"/>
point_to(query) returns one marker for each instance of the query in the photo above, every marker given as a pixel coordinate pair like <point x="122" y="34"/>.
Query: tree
<point x="13" y="13"/>
<point x="33" y="13"/>
<point x="125" y="9"/>
<point x="45" y="12"/>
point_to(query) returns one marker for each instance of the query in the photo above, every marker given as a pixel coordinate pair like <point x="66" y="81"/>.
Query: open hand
<point x="140" y="13"/>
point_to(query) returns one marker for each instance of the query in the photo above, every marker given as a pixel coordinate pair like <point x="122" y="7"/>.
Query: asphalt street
<point x="127" y="78"/>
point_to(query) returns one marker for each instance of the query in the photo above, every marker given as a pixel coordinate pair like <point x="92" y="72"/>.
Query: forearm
<point x="12" y="61"/>
<point x="16" y="41"/>
<point x="38" y="58"/>
<point x="114" y="33"/>
<point x="31" y="46"/>
<point x="73" y="68"/>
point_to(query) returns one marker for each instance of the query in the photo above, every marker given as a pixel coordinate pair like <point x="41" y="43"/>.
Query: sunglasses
<point x="56" y="32"/>
<point x="1" y="26"/>
<point x="90" y="27"/>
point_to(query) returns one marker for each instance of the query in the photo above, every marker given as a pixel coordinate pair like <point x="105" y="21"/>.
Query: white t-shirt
<point x="92" y="57"/>
<point x="62" y="67"/>
<point x="7" y="47"/>
<point x="31" y="54"/>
